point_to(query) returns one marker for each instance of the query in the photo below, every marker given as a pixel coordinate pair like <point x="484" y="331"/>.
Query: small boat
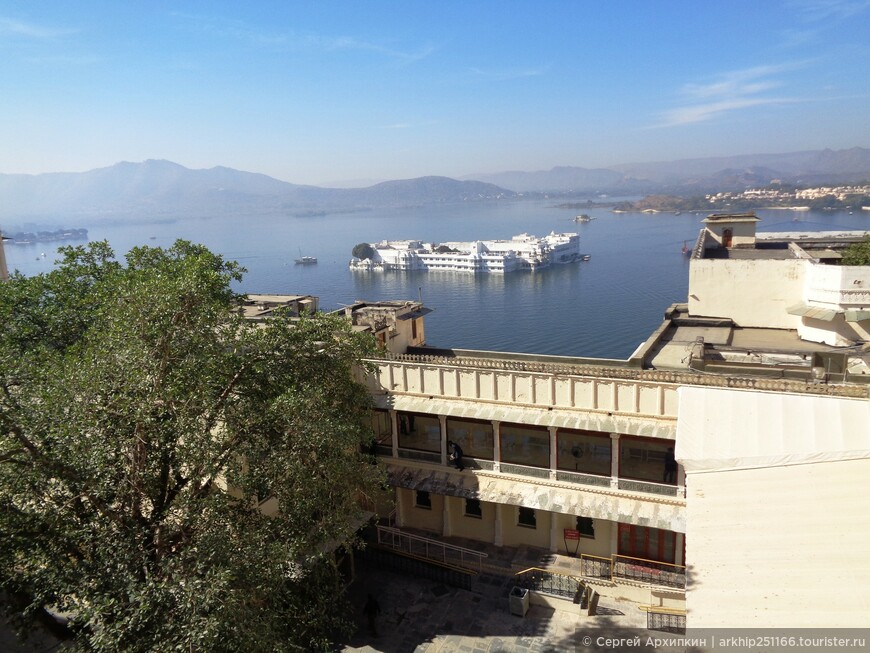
<point x="686" y="250"/>
<point x="583" y="218"/>
<point x="305" y="260"/>
<point x="585" y="257"/>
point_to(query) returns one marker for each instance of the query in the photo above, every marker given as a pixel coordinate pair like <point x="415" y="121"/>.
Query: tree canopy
<point x="857" y="253"/>
<point x="363" y="251"/>
<point x="143" y="423"/>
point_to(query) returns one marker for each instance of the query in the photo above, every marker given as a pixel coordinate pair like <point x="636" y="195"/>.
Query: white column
<point x="442" y="420"/>
<point x="498" y="538"/>
<point x="496" y="444"/>
<point x="614" y="460"/>
<point x="554" y="531"/>
<point x="554" y="455"/>
<point x="447" y="525"/>
<point x="394" y="426"/>
<point x="614" y="538"/>
<point x="400" y="505"/>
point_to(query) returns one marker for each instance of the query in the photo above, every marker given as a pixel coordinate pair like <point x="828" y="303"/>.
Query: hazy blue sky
<point x="329" y="91"/>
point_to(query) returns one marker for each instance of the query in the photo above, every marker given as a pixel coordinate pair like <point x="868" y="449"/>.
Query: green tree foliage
<point x="857" y="253"/>
<point x="363" y="251"/>
<point x="142" y="423"/>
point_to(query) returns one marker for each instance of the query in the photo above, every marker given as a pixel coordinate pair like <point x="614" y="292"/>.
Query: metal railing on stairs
<point x="429" y="548"/>
<point x="620" y="567"/>
<point x="553" y="583"/>
<point x="649" y="571"/>
<point x="596" y="566"/>
<point x="669" y="620"/>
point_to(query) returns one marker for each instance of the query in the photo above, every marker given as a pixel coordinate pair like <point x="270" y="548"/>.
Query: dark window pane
<point x="475" y="438"/>
<point x="586" y="526"/>
<point x="523" y="445"/>
<point x="526" y="518"/>
<point x="423" y="500"/>
<point x="472" y="508"/>
<point x="421" y="432"/>
<point x="584" y="451"/>
<point x="646" y="459"/>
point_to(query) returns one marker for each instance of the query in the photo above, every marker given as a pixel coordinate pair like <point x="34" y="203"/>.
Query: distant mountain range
<point x="696" y="175"/>
<point x="154" y="189"/>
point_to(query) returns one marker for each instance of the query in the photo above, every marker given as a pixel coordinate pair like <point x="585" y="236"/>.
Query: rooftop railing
<point x="607" y="370"/>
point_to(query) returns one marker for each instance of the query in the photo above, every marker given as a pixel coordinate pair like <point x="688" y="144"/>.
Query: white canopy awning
<point x="719" y="429"/>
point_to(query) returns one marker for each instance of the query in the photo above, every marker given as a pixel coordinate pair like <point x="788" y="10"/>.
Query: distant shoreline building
<point x="522" y="252"/>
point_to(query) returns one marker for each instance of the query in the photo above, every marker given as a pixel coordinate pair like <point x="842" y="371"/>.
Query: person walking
<point x="371" y="610"/>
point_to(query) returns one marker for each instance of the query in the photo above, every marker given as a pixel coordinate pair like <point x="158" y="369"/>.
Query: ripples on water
<point x="601" y="308"/>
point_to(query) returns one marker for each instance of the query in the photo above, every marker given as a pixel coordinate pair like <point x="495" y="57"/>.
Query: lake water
<point x="601" y="308"/>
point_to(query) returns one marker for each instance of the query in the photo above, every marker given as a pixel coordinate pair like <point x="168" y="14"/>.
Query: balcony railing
<point x="582" y="479"/>
<point x="563" y="476"/>
<point x="383" y="450"/>
<point x="631" y="485"/>
<point x="523" y="470"/>
<point x="413" y="454"/>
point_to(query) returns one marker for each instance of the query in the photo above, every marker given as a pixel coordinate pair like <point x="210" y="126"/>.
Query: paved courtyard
<point x="424" y="616"/>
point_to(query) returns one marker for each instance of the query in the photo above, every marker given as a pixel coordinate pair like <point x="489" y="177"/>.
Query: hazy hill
<point x="157" y="188"/>
<point x="694" y="175"/>
<point x="561" y="178"/>
<point x="161" y="188"/>
<point x="815" y="166"/>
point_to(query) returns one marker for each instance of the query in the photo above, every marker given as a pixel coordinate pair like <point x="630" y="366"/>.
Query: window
<point x="472" y="508"/>
<point x="382" y="427"/>
<point x="421" y="432"/>
<point x="423" y="500"/>
<point x="586" y="527"/>
<point x="526" y="518"/>
<point x="475" y="437"/>
<point x="525" y="445"/>
<point x="414" y="329"/>
<point x="647" y="459"/>
<point x="587" y="452"/>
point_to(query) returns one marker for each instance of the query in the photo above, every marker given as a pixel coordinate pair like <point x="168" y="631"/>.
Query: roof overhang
<point x="857" y="314"/>
<point x="814" y="312"/>
<point x="721" y="429"/>
<point x="583" y="420"/>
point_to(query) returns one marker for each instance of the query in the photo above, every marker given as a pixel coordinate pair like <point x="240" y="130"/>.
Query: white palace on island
<point x="716" y="478"/>
<point x="522" y="252"/>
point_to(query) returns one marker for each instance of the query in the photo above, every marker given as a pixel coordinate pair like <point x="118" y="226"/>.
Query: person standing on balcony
<point x="455" y="454"/>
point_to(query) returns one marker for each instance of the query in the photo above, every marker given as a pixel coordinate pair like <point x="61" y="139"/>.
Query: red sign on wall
<point x="571" y="534"/>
